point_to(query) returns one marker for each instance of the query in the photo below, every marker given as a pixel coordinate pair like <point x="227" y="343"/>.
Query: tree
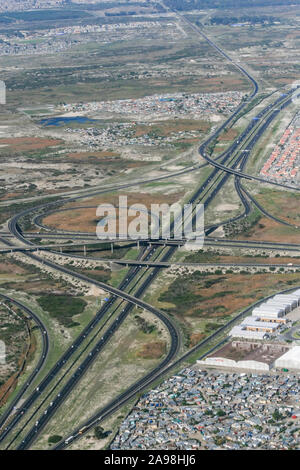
<point x="54" y="439"/>
<point x="277" y="416"/>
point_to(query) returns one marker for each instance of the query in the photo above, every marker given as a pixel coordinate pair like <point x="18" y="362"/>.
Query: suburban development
<point x="149" y="226"/>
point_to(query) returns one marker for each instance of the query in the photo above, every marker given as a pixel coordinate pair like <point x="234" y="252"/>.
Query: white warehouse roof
<point x="279" y="304"/>
<point x="254" y="321"/>
<point x="292" y="301"/>
<point x="271" y="311"/>
<point x="241" y="332"/>
<point x="290" y="359"/>
<point x="225" y="362"/>
<point x="288" y="296"/>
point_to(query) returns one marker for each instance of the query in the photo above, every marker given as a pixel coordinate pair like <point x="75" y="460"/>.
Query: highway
<point x="142" y="385"/>
<point x="15" y="230"/>
<point x="32" y="434"/>
<point x="111" y="408"/>
<point x="208" y="191"/>
<point x="246" y="153"/>
<point x="41" y="362"/>
<point x="116" y="293"/>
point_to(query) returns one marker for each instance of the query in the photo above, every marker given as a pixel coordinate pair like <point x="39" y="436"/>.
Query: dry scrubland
<point x="37" y="160"/>
<point x="202" y="302"/>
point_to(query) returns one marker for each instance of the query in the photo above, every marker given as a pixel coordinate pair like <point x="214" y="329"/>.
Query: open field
<point x="281" y="204"/>
<point x="201" y="302"/>
<point x="270" y="230"/>
<point x="85" y="219"/>
<point x="15" y="334"/>
<point x="126" y="358"/>
<point x="29" y="144"/>
<point x="101" y="95"/>
<point x="265" y="38"/>
<point x="219" y="257"/>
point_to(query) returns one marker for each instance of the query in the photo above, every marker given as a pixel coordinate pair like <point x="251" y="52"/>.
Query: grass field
<point x="126" y="358"/>
<point x="202" y="302"/>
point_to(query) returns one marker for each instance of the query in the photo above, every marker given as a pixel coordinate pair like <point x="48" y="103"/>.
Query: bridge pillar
<point x="138" y="244"/>
<point x="112" y="247"/>
<point x="84" y="250"/>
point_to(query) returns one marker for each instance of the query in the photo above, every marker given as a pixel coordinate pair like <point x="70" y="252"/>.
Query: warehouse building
<point x="245" y="355"/>
<point x="292" y="301"/>
<point x="289" y="360"/>
<point x="231" y="364"/>
<point x="242" y="332"/>
<point x="280" y="321"/>
<point x="270" y="311"/>
<point x="267" y="318"/>
<point x="291" y="296"/>
<point x="254" y="324"/>
<point x="279" y="304"/>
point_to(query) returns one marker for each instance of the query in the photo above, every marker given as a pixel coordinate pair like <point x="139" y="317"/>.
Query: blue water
<point x="58" y="121"/>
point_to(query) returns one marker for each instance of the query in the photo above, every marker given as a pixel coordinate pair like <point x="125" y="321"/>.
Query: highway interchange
<point x="20" y="429"/>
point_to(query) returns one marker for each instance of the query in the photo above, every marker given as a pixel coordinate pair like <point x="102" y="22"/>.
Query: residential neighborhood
<point x="204" y="409"/>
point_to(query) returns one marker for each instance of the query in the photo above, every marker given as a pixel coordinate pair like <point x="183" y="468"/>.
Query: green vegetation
<point x="277" y="416"/>
<point x="183" y="292"/>
<point x="145" y="326"/>
<point x="42" y="15"/>
<point x="54" y="439"/>
<point x="229" y="20"/>
<point x="100" y="433"/>
<point x="63" y="307"/>
<point x="244" y="225"/>
<point x="189" y="5"/>
<point x="14" y="332"/>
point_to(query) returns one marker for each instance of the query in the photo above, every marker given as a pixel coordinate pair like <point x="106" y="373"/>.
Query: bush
<point x="62" y="307"/>
<point x="54" y="439"/>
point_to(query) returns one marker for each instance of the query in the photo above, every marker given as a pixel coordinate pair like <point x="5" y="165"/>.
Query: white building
<point x="225" y="362"/>
<point x="271" y="311"/>
<point x="289" y="360"/>
<point x="279" y="304"/>
<point x="241" y="332"/>
<point x="254" y="324"/>
<point x="291" y="300"/>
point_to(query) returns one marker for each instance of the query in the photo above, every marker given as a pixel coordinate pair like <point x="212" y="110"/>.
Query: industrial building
<point x="289" y="360"/>
<point x="245" y="355"/>
<point x="269" y="311"/>
<point x="248" y="349"/>
<point x="254" y="324"/>
<point x="267" y="317"/>
<point x="292" y="301"/>
<point x="277" y="307"/>
<point x="279" y="304"/>
<point x="253" y="328"/>
<point x="242" y="332"/>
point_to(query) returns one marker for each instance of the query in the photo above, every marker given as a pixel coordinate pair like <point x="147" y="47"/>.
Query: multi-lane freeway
<point x="21" y="427"/>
